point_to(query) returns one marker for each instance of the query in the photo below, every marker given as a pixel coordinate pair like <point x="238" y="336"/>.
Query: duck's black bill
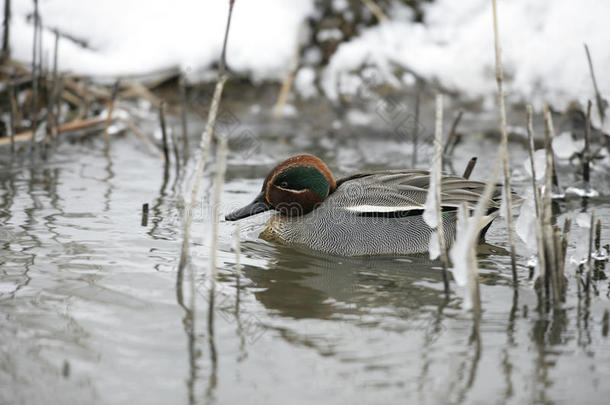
<point x="255" y="207"/>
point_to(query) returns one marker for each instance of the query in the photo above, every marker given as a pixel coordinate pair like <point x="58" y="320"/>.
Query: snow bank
<point x="542" y="43"/>
<point x="139" y="36"/>
<point x="542" y="48"/>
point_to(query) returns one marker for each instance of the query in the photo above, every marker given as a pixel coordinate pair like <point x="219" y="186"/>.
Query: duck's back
<point x="378" y="213"/>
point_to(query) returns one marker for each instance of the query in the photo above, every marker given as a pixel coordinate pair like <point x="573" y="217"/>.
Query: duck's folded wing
<point x="404" y="192"/>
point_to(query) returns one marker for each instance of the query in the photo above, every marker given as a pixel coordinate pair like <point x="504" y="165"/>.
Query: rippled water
<point x="91" y="312"/>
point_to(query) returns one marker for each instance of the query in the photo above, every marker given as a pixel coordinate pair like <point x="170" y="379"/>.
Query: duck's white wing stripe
<point x="381" y="208"/>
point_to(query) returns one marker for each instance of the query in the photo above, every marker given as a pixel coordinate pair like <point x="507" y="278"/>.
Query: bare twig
<point x="590" y="251"/>
<point x="469" y="168"/>
<point x="163" y="132"/>
<point x="547" y="228"/>
<point x="466" y="241"/>
<point x="601" y="103"/>
<point x="376" y="10"/>
<point x="59" y="90"/>
<point x="587" y="152"/>
<point x="415" y="134"/>
<point x="237" y="241"/>
<point x="51" y="96"/>
<point x="34" y="103"/>
<point x="152" y="147"/>
<point x="67" y="127"/>
<point x="567" y="226"/>
<point x="6" y="45"/>
<point x="86" y="104"/>
<point x="598" y="234"/>
<point x="536" y="194"/>
<point x="479" y="211"/>
<point x="115" y="90"/>
<point x="530" y="138"/>
<point x="437" y="167"/>
<point x="504" y="146"/>
<point x="451" y="139"/>
<point x="144" y="221"/>
<point x="220" y="175"/>
<point x="205" y="144"/>
<point x="138" y="90"/>
<point x="185" y="138"/>
<point x="288" y="80"/>
<point x="12" y="114"/>
<point x="223" y="57"/>
<point x="176" y="152"/>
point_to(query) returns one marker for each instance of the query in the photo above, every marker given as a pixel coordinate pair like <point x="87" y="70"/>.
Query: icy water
<point x="91" y="312"/>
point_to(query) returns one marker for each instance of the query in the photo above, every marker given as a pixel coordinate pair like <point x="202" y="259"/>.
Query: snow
<point x="584" y="191"/>
<point x="542" y="49"/>
<point x="304" y="82"/>
<point x="525" y="225"/>
<point x="542" y="43"/>
<point x="532" y="262"/>
<point x="539" y="164"/>
<point x="583" y="220"/>
<point x="579" y="254"/>
<point x="329" y="35"/>
<point x="565" y="146"/>
<point x="459" y="254"/>
<point x="432" y="207"/>
<point x="600" y="255"/>
<point x="138" y="36"/>
<point x="358" y="117"/>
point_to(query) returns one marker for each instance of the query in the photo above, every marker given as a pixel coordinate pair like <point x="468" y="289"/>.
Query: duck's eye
<point x="284" y="184"/>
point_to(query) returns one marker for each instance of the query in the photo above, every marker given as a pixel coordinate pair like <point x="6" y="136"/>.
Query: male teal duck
<point x="370" y="213"/>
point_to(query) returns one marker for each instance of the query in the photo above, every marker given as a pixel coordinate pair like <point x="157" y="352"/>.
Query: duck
<point x="363" y="214"/>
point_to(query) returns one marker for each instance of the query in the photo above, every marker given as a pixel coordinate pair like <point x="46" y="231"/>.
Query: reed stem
<point x="237" y="242"/>
<point x="12" y="112"/>
<point x="220" y="176"/>
<point x="205" y="145"/>
<point x="469" y="167"/>
<point x="438" y="164"/>
<point x="551" y="272"/>
<point x="451" y="139"/>
<point x="415" y="134"/>
<point x="185" y="138"/>
<point x="601" y="103"/>
<point x="376" y="10"/>
<point x="504" y="148"/>
<point x="472" y="237"/>
<point x="53" y="111"/>
<point x="590" y="252"/>
<point x="115" y="90"/>
<point x="164" y="132"/>
<point x="587" y="152"/>
<point x="289" y="79"/>
<point x="530" y="138"/>
<point x="176" y="152"/>
<point x="144" y="221"/>
<point x="6" y="43"/>
<point x="34" y="103"/>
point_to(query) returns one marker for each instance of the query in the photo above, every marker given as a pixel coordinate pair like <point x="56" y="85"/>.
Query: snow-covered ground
<point x="542" y="48"/>
<point x="140" y="36"/>
<point x="542" y="42"/>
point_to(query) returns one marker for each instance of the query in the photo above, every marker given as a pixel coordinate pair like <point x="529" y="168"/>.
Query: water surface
<point x="91" y="311"/>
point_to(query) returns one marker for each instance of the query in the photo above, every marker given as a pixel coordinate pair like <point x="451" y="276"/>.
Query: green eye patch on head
<point x="302" y="178"/>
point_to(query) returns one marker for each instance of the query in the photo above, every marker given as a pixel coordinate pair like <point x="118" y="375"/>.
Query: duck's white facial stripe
<point x="382" y="208"/>
<point x="292" y="191"/>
